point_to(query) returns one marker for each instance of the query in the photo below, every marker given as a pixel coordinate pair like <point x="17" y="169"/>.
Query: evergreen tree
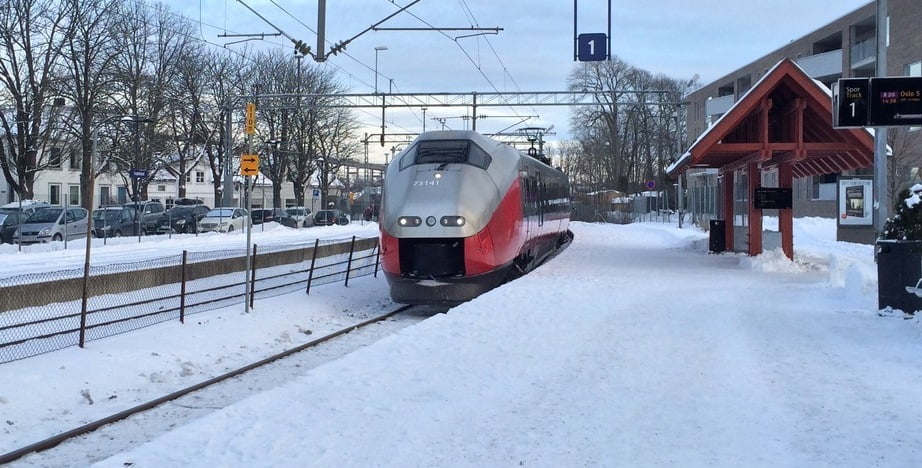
<point x="906" y="222"/>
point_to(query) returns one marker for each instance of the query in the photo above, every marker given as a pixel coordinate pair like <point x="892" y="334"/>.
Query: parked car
<point x="26" y="206"/>
<point x="9" y="223"/>
<point x="182" y="218"/>
<point x="282" y="217"/>
<point x="188" y="201"/>
<point x="301" y="215"/>
<point x="223" y="220"/>
<point x="149" y="212"/>
<point x="53" y="224"/>
<point x="330" y="217"/>
<point x="268" y="215"/>
<point x="262" y="215"/>
<point x="114" y="221"/>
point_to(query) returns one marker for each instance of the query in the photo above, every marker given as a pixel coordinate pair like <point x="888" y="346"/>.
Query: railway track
<point x="110" y="435"/>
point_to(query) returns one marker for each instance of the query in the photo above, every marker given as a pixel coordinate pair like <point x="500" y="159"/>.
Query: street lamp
<point x="321" y="165"/>
<point x="377" y="49"/>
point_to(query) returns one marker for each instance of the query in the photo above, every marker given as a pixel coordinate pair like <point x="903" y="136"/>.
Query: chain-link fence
<point x="45" y="312"/>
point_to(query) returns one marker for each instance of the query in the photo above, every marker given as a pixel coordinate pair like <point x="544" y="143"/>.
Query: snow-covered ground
<point x="632" y="348"/>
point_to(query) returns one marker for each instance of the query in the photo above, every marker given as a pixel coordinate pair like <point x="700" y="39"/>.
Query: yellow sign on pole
<point x="249" y="165"/>
<point x="251" y="118"/>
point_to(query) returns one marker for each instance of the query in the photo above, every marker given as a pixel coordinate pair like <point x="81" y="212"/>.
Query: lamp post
<point x="377" y="49"/>
<point x="321" y="182"/>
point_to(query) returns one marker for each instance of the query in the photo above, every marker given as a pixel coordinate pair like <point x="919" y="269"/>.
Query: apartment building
<point x="844" y="48"/>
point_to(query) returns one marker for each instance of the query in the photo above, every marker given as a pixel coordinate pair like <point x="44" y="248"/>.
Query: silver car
<point x="52" y="224"/>
<point x="224" y="220"/>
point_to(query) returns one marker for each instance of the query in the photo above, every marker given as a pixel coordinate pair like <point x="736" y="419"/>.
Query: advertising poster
<point x="855" y="201"/>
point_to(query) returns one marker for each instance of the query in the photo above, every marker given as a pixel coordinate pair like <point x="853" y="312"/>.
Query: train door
<point x="525" y="183"/>
<point x="539" y="198"/>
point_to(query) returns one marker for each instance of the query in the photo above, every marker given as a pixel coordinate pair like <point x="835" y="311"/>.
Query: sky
<point x="533" y="52"/>
<point x="633" y="347"/>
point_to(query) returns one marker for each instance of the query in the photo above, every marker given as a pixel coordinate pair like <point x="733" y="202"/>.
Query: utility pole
<point x="881" y="189"/>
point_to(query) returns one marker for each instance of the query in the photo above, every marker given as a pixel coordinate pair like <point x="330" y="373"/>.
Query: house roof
<point x="785" y="117"/>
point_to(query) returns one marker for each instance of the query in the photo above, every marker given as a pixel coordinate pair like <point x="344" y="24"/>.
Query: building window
<point x="54" y="194"/>
<point x="161" y="188"/>
<point x="73" y="195"/>
<point x="104" y="195"/>
<point x="188" y="177"/>
<point x="824" y="187"/>
<point x="74" y="160"/>
<point x="913" y="69"/>
<point x="199" y="176"/>
<point x="122" y="194"/>
<point x="54" y="157"/>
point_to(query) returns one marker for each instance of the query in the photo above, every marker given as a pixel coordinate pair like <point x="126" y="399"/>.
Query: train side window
<point x="476" y="156"/>
<point x="408" y="158"/>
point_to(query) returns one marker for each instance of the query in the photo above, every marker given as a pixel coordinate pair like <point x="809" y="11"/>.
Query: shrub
<point x="906" y="222"/>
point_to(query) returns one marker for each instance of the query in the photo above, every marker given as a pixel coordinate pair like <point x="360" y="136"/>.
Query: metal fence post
<point x="349" y="265"/>
<point x="253" y="278"/>
<point x="310" y="275"/>
<point x="182" y="288"/>
<point x="377" y="256"/>
<point x="85" y="297"/>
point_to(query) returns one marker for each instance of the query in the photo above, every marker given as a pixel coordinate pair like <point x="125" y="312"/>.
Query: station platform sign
<point x="877" y="102"/>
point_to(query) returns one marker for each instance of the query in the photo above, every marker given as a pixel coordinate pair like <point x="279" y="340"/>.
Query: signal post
<point x="249" y="166"/>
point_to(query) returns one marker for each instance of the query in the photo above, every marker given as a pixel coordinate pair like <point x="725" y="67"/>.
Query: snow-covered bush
<point x="906" y="222"/>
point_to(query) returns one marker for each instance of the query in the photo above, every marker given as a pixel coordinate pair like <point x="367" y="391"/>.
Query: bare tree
<point x="153" y="42"/>
<point x="336" y="144"/>
<point x="191" y="115"/>
<point x="630" y="135"/>
<point x="225" y="78"/>
<point x="906" y="155"/>
<point x="276" y="73"/>
<point x="87" y="54"/>
<point x="307" y="131"/>
<point x="32" y="33"/>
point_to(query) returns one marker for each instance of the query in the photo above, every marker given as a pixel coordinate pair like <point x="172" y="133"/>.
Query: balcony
<point x="822" y="65"/>
<point x="719" y="105"/>
<point x="863" y="53"/>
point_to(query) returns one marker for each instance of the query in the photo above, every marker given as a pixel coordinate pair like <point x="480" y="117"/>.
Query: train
<point x="462" y="213"/>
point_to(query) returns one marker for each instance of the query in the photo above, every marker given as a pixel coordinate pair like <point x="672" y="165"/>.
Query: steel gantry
<point x="472" y="100"/>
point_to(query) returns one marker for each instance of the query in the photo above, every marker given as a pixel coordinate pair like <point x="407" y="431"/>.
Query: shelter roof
<point x="785" y="117"/>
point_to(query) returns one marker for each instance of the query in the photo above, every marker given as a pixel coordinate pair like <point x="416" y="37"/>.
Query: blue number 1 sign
<point x="592" y="47"/>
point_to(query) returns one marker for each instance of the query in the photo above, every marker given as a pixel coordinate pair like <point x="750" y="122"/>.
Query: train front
<point x="445" y="204"/>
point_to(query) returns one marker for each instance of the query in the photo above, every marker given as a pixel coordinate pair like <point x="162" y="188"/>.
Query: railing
<point x="863" y="52"/>
<point x="40" y="313"/>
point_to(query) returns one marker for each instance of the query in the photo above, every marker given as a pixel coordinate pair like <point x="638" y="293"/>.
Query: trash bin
<point x="717" y="241"/>
<point x="899" y="265"/>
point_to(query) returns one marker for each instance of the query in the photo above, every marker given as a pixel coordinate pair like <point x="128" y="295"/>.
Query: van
<point x="52" y="224"/>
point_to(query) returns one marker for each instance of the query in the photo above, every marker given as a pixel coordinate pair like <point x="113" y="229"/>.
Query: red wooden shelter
<point x="784" y="122"/>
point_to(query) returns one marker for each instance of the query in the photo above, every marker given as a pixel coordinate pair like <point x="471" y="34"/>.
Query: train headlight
<point x="450" y="221"/>
<point x="409" y="221"/>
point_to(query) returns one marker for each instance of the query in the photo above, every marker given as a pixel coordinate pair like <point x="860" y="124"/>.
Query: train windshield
<point x="444" y="152"/>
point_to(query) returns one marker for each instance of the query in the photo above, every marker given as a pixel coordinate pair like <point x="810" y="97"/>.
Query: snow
<point x="634" y="347"/>
<point x="915" y="196"/>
